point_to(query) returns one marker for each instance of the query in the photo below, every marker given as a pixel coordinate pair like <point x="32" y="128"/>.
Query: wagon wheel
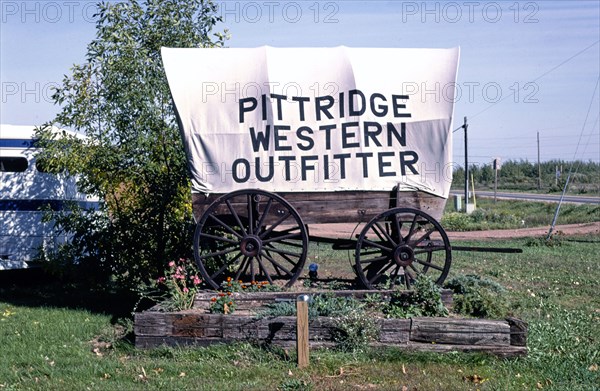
<point x="399" y="245"/>
<point x="250" y="235"/>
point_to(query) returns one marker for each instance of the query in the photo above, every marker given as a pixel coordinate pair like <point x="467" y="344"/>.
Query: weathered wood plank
<point x="395" y="331"/>
<point x="460" y="331"/>
<point x="196" y="328"/>
<point x="151" y="323"/>
<point x="518" y="331"/>
<point x="342" y="206"/>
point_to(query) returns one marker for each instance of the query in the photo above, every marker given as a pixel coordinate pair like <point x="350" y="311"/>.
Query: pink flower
<point x="160" y="279"/>
<point x="185" y="290"/>
<point x="196" y="280"/>
<point x="172" y="263"/>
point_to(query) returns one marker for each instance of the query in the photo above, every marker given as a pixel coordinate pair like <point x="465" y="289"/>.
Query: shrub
<point x="424" y="300"/>
<point x="479" y="297"/>
<point x="355" y="330"/>
<point x="455" y="221"/>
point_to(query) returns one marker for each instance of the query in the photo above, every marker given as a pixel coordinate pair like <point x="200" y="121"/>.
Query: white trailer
<point x="25" y="190"/>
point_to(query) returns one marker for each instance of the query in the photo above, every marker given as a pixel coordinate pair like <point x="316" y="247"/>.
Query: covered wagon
<point x="278" y="139"/>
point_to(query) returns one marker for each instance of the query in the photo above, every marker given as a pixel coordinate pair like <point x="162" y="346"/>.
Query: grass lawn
<point x="54" y="339"/>
<point x="510" y="214"/>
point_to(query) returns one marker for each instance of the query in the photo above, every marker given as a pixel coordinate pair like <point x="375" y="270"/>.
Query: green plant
<point x="131" y="157"/>
<point x="355" y="330"/>
<point x="223" y="303"/>
<point x="424" y="300"/>
<point x="295" y="385"/>
<point x="320" y="305"/>
<point x="330" y="305"/>
<point x="176" y="290"/>
<point x="480" y="297"/>
<point x="555" y="240"/>
<point x="455" y="221"/>
<point x="374" y="301"/>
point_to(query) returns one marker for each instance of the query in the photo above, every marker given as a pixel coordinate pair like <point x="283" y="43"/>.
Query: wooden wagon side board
<point x="197" y="328"/>
<point x="344" y="206"/>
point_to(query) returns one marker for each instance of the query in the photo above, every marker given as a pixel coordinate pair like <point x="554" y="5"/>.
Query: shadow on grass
<point x="36" y="288"/>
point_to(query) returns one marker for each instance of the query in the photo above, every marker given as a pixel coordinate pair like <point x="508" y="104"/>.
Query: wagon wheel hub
<point x="404" y="256"/>
<point x="251" y="245"/>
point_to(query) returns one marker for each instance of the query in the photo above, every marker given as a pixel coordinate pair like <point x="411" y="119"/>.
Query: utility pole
<point x="465" y="126"/>
<point x="539" y="166"/>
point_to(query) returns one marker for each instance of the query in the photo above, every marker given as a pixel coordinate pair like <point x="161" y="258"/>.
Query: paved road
<point x="534" y="197"/>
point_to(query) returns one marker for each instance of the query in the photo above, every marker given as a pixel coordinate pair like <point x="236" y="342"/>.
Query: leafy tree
<point x="132" y="157"/>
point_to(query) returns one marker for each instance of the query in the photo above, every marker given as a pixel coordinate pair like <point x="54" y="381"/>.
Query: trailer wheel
<point x="399" y="245"/>
<point x="250" y="236"/>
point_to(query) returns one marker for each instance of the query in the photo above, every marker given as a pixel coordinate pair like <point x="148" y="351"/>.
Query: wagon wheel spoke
<point x="380" y="273"/>
<point x="381" y="231"/>
<point x="376" y="259"/>
<point x="250" y="204"/>
<point x="411" y="230"/>
<point x="225" y="266"/>
<point x="429" y="264"/>
<point x="260" y="237"/>
<point x="289" y="244"/>
<point x="424" y="236"/>
<point x="235" y="216"/>
<point x="408" y="278"/>
<point x="217" y="253"/>
<point x="401" y="257"/>
<point x="265" y="213"/>
<point x="284" y="252"/>
<point x="377" y="245"/>
<point x="243" y="268"/>
<point x="394" y="274"/>
<point x="286" y="257"/>
<point x="218" y="238"/>
<point x="274" y="225"/>
<point x="224" y="225"/>
<point x="265" y="271"/>
<point x="252" y="271"/>
<point x="280" y="238"/>
<point x="423" y="250"/>
<point x="277" y="264"/>
<point x="398" y="226"/>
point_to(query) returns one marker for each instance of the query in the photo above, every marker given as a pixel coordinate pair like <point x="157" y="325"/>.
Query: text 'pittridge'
<point x="310" y="143"/>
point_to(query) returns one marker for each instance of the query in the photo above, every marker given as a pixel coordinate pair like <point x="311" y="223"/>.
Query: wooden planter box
<point x="255" y="300"/>
<point x="506" y="338"/>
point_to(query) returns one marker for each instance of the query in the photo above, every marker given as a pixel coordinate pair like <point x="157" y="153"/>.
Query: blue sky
<point x="525" y="67"/>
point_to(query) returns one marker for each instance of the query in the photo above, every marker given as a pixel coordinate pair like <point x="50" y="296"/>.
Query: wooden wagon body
<point x="257" y="229"/>
<point x="344" y="207"/>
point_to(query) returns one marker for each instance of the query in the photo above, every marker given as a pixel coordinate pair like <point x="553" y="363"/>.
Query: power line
<point x="574" y="155"/>
<point x="538" y="78"/>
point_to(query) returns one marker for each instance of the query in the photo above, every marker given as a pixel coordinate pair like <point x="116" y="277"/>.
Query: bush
<point x="425" y="300"/>
<point x="355" y="330"/>
<point x="455" y="221"/>
<point x="474" y="296"/>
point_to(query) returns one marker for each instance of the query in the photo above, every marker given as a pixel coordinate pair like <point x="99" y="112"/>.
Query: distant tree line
<point x="523" y="175"/>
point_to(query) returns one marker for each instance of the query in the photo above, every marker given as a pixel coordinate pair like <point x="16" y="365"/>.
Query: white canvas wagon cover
<point x="315" y="119"/>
